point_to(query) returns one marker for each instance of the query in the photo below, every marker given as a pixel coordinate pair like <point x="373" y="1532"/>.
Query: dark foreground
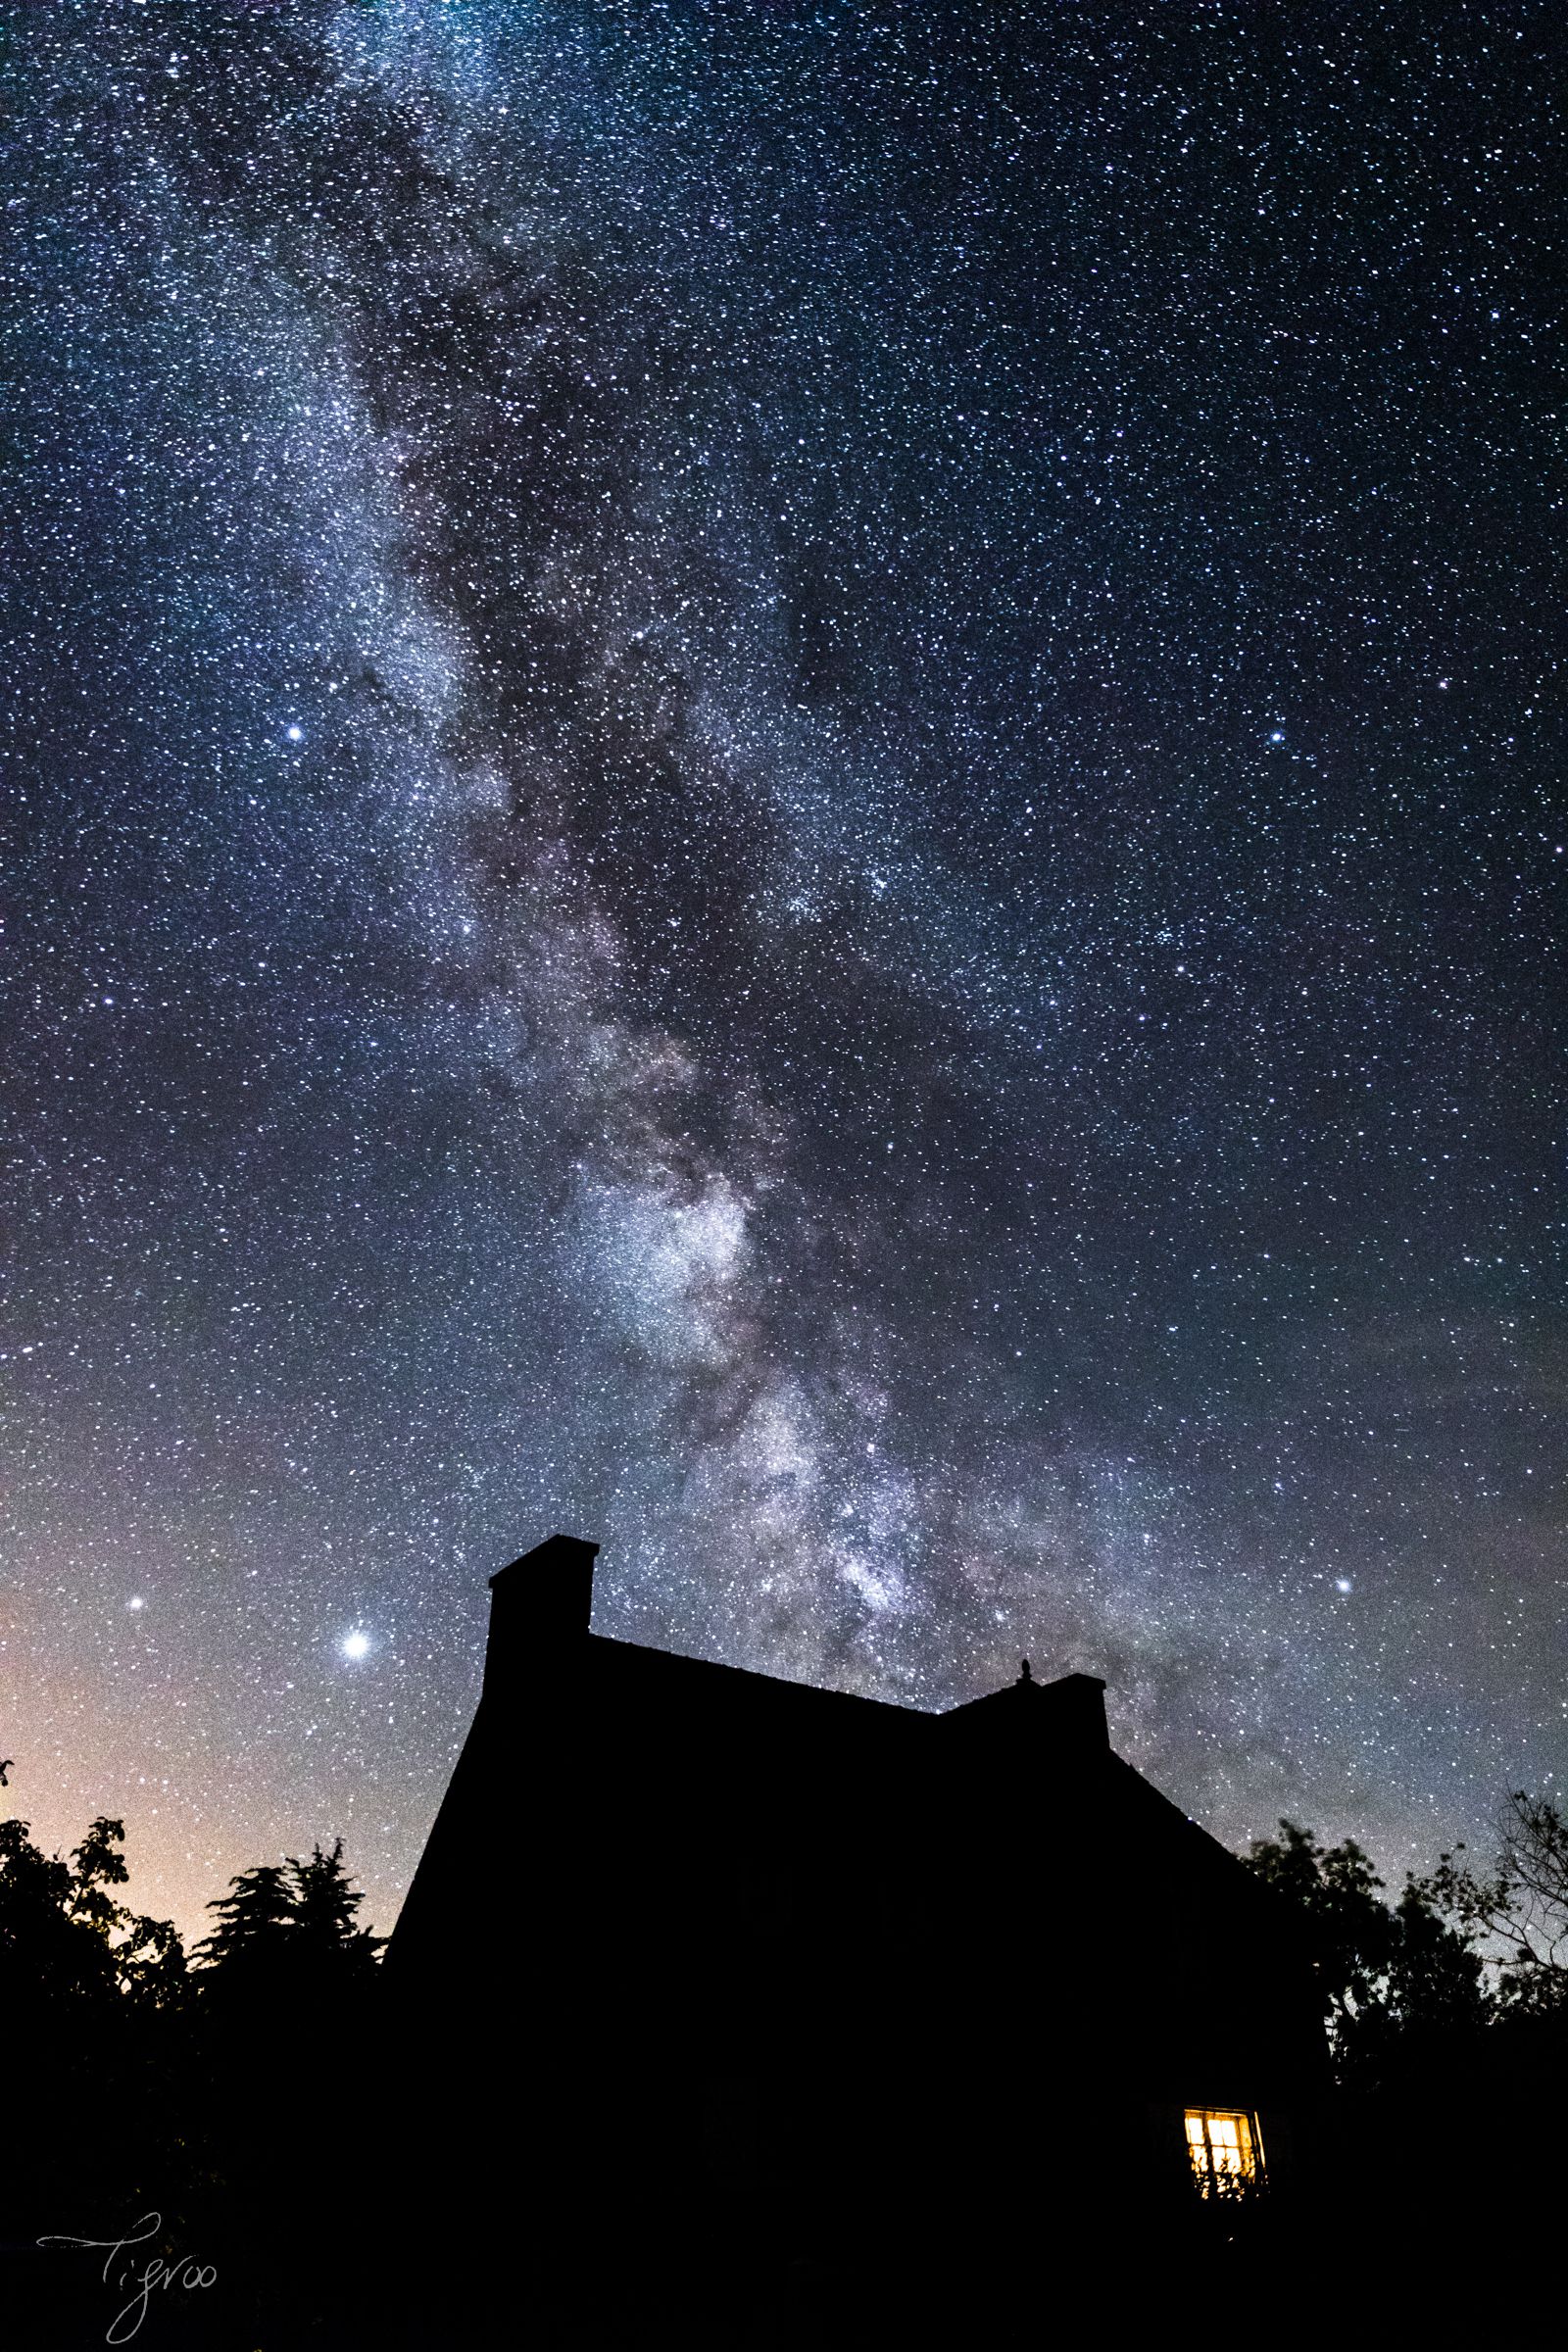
<point x="303" y="2203"/>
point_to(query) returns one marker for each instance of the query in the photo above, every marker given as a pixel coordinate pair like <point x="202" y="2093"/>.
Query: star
<point x="774" y="1027"/>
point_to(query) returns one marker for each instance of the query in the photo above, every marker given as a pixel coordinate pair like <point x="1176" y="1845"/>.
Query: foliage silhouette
<point x="325" y="1907"/>
<point x="138" y="2085"/>
<point x="286" y="1934"/>
<point x="251" y="1920"/>
<point x="1520" y="1907"/>
<point x="64" y="1935"/>
<point x="1387" y="1977"/>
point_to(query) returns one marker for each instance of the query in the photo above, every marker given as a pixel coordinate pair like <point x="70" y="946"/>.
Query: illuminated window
<point x="1226" y="2152"/>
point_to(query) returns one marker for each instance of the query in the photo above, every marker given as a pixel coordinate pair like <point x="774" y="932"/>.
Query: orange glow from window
<point x="1226" y="2153"/>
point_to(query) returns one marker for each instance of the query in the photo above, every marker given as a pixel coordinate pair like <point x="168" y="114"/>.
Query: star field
<point x="786" y="787"/>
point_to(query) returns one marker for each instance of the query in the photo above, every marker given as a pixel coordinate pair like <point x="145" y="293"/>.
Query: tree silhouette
<point x="287" y="1975"/>
<point x="1387" y="1977"/>
<point x="325" y="1904"/>
<point x="64" y="1934"/>
<point x="47" y="1954"/>
<point x="1436" y="1983"/>
<point x="99" y="1865"/>
<point x="1521" y="1907"/>
<point x="130" y="2087"/>
<point x="253" y="1922"/>
<point x="290" y="1927"/>
<point x="147" y="1955"/>
<point x="99" y="2087"/>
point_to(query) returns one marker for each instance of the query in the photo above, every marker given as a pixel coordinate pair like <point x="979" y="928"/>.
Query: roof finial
<point x="1024" y="1675"/>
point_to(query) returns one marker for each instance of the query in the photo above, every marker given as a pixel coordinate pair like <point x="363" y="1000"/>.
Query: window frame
<point x="1219" y="2182"/>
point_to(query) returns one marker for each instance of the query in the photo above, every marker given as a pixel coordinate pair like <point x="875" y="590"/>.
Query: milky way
<point x="786" y="790"/>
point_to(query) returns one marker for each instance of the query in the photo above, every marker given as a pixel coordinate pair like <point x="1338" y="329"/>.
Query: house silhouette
<point x="707" y="1973"/>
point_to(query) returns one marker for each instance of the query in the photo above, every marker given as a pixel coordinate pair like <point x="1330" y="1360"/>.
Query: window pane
<point x="1222" y="2147"/>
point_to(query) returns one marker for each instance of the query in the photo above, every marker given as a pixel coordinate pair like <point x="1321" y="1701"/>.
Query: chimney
<point x="540" y="1603"/>
<point x="1078" y="1704"/>
<point x="1065" y="1720"/>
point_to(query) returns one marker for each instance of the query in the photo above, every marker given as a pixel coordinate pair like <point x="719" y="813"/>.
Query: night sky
<point x="784" y="787"/>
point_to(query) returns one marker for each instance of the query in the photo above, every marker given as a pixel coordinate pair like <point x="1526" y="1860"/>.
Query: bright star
<point x="296" y="734"/>
<point x="355" y="1646"/>
<point x="1342" y="1584"/>
<point x="135" y="1602"/>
